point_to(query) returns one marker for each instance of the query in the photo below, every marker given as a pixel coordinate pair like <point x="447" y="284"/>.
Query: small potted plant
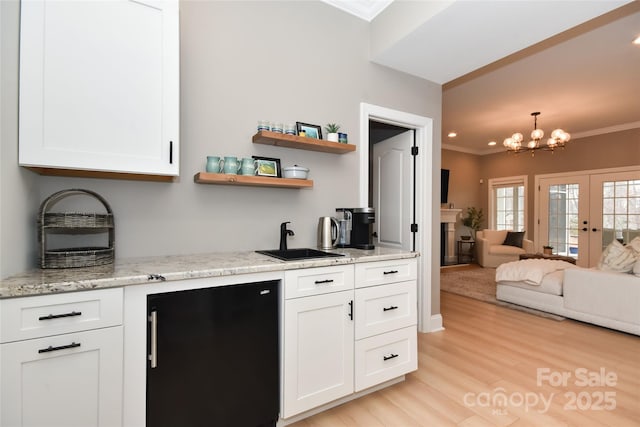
<point x="547" y="250"/>
<point x="473" y="219"/>
<point x="332" y="132"/>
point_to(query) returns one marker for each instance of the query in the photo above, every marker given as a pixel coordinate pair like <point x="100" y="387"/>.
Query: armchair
<point x="491" y="252"/>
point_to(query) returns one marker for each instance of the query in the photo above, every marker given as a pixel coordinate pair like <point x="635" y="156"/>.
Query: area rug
<point x="479" y="283"/>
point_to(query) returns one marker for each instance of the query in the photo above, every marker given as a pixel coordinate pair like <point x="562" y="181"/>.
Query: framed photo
<point x="311" y="131"/>
<point x="268" y="166"/>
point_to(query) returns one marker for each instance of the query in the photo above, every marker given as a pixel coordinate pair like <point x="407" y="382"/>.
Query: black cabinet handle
<point x="585" y="229"/>
<point x="170" y="152"/>
<point x="351" y="309"/>
<point x="319" y="282"/>
<point x="62" y="347"/>
<point x="58" y="316"/>
<point x="393" y="307"/>
<point x="391" y="356"/>
<point x="390" y="272"/>
<point x="594" y="229"/>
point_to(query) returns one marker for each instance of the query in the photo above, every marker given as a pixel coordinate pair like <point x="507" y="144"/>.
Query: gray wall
<point x="240" y="62"/>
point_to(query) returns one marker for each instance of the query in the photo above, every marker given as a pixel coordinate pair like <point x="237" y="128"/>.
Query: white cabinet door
<point x="99" y="86"/>
<point x="318" y="351"/>
<point x="66" y="380"/>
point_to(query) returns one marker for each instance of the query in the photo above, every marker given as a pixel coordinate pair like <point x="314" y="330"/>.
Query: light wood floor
<point x="487" y="350"/>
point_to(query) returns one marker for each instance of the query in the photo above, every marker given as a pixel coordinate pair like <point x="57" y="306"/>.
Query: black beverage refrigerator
<point x="214" y="357"/>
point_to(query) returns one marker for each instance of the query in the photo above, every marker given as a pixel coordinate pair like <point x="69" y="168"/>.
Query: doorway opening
<point x="426" y="186"/>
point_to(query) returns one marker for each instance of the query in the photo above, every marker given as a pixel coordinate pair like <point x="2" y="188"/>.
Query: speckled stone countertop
<point x="136" y="271"/>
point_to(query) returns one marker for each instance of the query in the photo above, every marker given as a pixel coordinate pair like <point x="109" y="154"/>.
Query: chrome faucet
<point x="283" y="235"/>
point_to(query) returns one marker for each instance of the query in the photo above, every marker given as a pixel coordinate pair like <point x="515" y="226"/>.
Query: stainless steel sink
<point x="298" y="254"/>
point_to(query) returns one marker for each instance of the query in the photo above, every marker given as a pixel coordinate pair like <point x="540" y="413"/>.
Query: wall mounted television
<point x="444" y="186"/>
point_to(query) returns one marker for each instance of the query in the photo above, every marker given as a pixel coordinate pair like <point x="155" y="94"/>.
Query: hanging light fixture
<point x="558" y="139"/>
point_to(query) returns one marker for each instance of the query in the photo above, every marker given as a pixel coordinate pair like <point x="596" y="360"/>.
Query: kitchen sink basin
<point x="298" y="254"/>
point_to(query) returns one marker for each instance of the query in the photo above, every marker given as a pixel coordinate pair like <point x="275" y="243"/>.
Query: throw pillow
<point x="617" y="257"/>
<point x="514" y="238"/>
<point x="635" y="245"/>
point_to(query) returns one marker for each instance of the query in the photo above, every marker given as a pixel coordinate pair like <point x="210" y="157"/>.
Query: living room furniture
<point x="538" y="255"/>
<point x="604" y="298"/>
<point x="492" y="252"/>
<point x="465" y="250"/>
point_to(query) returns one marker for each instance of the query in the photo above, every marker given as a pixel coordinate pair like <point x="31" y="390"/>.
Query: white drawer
<point x="46" y="315"/>
<point x="381" y="272"/>
<point x="315" y="281"/>
<point x="380" y="309"/>
<point x="384" y="357"/>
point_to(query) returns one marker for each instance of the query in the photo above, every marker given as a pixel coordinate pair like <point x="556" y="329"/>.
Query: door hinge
<point x="414" y="228"/>
<point x="414" y="151"/>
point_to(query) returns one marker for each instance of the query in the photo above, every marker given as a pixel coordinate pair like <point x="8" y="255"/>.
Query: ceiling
<point x="581" y="72"/>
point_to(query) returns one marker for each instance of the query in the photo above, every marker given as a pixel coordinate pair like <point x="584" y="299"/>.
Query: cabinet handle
<point x="351" y="309"/>
<point x="393" y="307"/>
<point x="390" y="272"/>
<point x="58" y="316"/>
<point x="62" y="347"/>
<point x="170" y="152"/>
<point x="319" y="282"/>
<point x="153" y="357"/>
<point x="391" y="356"/>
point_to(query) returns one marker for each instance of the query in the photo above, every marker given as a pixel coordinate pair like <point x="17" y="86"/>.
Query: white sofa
<point x="491" y="252"/>
<point x="595" y="296"/>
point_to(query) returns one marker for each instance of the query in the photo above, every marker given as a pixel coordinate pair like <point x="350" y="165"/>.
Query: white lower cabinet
<point x="318" y="337"/>
<point x="346" y="332"/>
<point x="386" y="356"/>
<point x="66" y="380"/>
<point x="62" y="379"/>
<point x="318" y="351"/>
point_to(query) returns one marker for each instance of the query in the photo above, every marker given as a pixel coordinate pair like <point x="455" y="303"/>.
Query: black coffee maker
<point x="362" y="220"/>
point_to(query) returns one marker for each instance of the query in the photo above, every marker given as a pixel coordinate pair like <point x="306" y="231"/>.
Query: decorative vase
<point x="333" y="137"/>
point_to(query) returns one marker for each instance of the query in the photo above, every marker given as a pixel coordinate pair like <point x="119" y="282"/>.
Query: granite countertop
<point x="136" y="271"/>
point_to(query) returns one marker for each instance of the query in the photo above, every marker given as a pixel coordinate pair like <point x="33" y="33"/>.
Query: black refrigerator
<point x="213" y="357"/>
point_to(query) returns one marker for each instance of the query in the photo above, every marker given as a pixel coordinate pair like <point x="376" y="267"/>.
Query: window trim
<point x="508" y="181"/>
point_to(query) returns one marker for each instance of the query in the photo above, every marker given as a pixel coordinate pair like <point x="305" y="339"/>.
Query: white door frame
<point x="423" y="127"/>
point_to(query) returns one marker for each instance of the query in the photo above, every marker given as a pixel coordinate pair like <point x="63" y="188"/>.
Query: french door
<point x="579" y="215"/>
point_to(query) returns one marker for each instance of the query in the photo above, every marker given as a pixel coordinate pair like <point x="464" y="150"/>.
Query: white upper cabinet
<point x="99" y="86"/>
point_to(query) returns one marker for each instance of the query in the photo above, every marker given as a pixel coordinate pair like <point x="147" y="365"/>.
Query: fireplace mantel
<point x="450" y="217"/>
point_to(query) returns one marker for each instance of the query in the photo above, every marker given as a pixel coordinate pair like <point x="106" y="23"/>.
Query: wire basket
<point x="75" y="223"/>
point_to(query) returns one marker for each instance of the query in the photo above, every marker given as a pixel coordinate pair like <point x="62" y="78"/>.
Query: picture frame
<point x="268" y="166"/>
<point x="311" y="131"/>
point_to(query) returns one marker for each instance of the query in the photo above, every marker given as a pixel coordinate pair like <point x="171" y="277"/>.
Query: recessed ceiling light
<point x="492" y="143"/>
<point x="452" y="134"/>
<point x="637" y="40"/>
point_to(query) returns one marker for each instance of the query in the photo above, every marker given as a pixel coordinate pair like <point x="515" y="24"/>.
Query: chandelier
<point x="558" y="139"/>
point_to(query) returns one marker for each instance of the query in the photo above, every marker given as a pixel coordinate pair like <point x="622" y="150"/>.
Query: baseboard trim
<point x="435" y="324"/>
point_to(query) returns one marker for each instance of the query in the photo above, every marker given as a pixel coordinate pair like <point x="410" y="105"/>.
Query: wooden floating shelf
<point x="250" y="180"/>
<point x="301" y="142"/>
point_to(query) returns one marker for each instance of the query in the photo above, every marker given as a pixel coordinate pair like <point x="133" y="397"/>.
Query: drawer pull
<point x="319" y="282"/>
<point x="62" y="347"/>
<point x="58" y="316"/>
<point x="393" y="307"/>
<point x="390" y="272"/>
<point x="391" y="356"/>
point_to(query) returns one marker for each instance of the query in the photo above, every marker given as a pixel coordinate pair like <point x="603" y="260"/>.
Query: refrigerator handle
<point x="153" y="357"/>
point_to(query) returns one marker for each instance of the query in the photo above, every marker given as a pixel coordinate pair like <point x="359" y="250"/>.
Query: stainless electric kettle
<point x="327" y="232"/>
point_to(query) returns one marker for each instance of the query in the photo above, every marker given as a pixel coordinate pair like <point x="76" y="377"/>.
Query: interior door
<point x="564" y="216"/>
<point x="393" y="191"/>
